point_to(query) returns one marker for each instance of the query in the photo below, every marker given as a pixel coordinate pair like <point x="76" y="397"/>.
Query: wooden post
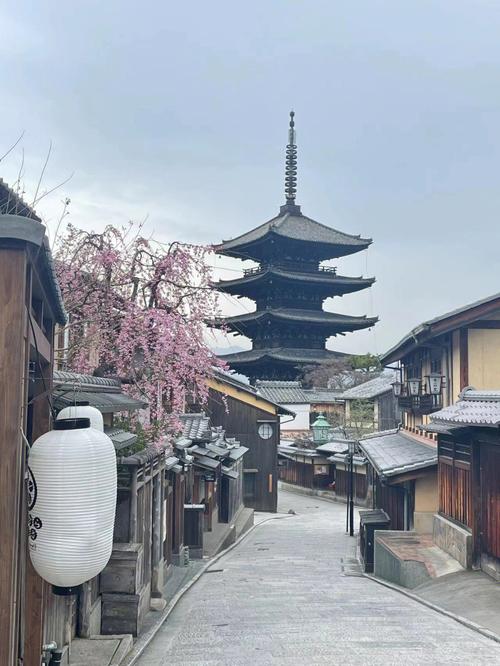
<point x="13" y="371"/>
<point x="35" y="586"/>
<point x="132" y="530"/>
<point x="476" y="501"/>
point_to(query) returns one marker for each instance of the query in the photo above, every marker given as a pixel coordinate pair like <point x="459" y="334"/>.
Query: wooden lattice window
<point x="454" y="474"/>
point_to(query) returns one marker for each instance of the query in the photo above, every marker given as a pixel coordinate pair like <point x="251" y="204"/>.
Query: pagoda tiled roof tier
<point x="315" y="239"/>
<point x="325" y="280"/>
<point x="262" y="363"/>
<point x="330" y="321"/>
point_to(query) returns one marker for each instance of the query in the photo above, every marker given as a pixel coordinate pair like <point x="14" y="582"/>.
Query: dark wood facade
<point x="30" y="307"/>
<point x="307" y="474"/>
<point x="397" y="501"/>
<point x="469" y="489"/>
<point x="241" y="413"/>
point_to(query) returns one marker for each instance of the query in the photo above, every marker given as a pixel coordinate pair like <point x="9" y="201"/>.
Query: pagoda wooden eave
<point x="281" y="354"/>
<point x="298" y="316"/>
<point x="328" y="242"/>
<point x="329" y="282"/>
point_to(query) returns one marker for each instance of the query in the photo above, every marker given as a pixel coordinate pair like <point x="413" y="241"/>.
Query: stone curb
<point x="458" y="618"/>
<point x="146" y="639"/>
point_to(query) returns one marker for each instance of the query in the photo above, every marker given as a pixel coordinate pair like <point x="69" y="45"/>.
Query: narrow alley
<point x="291" y="593"/>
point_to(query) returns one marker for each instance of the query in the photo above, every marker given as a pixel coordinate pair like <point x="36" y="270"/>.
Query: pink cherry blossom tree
<point x="139" y="309"/>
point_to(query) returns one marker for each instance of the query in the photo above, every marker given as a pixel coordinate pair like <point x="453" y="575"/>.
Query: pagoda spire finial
<point x="291" y="170"/>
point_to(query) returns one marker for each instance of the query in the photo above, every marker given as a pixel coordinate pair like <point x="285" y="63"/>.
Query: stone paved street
<point x="285" y="596"/>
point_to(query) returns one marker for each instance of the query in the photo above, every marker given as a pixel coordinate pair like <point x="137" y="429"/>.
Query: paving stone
<point x="294" y="603"/>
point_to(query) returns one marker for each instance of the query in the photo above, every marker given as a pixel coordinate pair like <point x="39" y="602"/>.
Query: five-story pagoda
<point x="289" y="327"/>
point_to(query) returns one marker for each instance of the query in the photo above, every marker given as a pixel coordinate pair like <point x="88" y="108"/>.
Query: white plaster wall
<point x="300" y="422"/>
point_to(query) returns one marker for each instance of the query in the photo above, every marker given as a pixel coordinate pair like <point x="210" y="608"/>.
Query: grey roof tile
<point x="196" y="427"/>
<point x="371" y="388"/>
<point x="316" y="277"/>
<point x="475" y="408"/>
<point x="333" y="447"/>
<point x="105" y="401"/>
<point x="296" y="314"/>
<point x="425" y="329"/>
<point x="283" y="354"/>
<point x="323" y="395"/>
<point x="393" y="452"/>
<point x="283" y="392"/>
<point x="297" y="227"/>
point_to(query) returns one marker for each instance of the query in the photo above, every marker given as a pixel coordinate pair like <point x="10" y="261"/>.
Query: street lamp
<point x="397" y="389"/>
<point x="414" y="387"/>
<point x="351" y="449"/>
<point x="435" y="383"/>
<point x="321" y="429"/>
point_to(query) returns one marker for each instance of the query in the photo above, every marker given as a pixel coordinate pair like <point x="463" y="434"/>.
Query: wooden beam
<point x="13" y="371"/>
<point x="39" y="341"/>
<point x="464" y="358"/>
<point x="486" y="324"/>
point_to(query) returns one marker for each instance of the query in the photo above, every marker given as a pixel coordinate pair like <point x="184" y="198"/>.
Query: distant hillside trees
<point x="342" y="372"/>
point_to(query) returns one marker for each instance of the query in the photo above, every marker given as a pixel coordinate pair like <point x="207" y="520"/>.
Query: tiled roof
<point x="12" y="203"/>
<point x="333" y="447"/>
<point x="283" y="354"/>
<point x="121" y="439"/>
<point x="393" y="452"/>
<point x="223" y="376"/>
<point x="101" y="392"/>
<point x="29" y="230"/>
<point x="282" y="392"/>
<point x="323" y="395"/>
<point x="326" y="278"/>
<point x="63" y="377"/>
<point x="358" y="461"/>
<point x="288" y="450"/>
<point x="344" y="322"/>
<point x="474" y="408"/>
<point x="196" y="427"/>
<point x="440" y="325"/>
<point x="371" y="388"/>
<point x="297" y="227"/>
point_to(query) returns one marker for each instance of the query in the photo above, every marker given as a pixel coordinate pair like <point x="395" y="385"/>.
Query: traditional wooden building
<point x="402" y="478"/>
<point x="371" y="406"/>
<point x="467" y="524"/>
<point x="289" y="328"/>
<point x="255" y="422"/>
<point x="214" y="491"/>
<point x="30" y="306"/>
<point x="442" y="356"/>
<point x="305" y="467"/>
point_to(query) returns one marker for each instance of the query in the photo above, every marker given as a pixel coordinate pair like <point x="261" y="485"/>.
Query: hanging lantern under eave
<point x="414" y="387"/>
<point x="435" y="383"/>
<point x="82" y="410"/>
<point x="72" y="500"/>
<point x="397" y="389"/>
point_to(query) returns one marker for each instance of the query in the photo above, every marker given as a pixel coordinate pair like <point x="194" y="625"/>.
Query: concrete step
<point x="100" y="650"/>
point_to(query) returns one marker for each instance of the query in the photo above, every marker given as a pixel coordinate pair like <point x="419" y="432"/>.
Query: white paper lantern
<point x="72" y="501"/>
<point x="83" y="412"/>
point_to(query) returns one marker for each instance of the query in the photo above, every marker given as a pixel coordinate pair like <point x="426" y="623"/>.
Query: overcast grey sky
<point x="179" y="110"/>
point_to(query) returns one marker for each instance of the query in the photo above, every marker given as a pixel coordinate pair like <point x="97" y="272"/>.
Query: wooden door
<point x="490" y="500"/>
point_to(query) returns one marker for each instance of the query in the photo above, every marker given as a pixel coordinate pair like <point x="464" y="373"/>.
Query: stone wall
<point x="406" y="573"/>
<point x="453" y="539"/>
